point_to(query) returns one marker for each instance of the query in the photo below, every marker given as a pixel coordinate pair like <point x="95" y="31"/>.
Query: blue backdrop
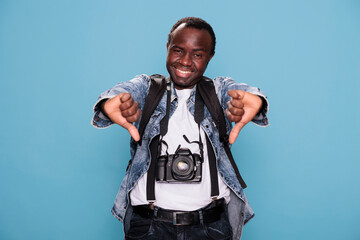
<point x="59" y="175"/>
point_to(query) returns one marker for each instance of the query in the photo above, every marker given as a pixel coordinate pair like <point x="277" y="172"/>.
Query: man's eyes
<point x="195" y="55"/>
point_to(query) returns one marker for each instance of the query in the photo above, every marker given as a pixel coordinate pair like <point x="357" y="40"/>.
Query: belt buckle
<point x="175" y="219"/>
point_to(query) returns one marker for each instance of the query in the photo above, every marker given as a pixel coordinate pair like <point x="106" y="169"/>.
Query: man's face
<point x="188" y="54"/>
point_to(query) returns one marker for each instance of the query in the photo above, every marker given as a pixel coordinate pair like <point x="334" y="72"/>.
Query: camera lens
<point x="183" y="168"/>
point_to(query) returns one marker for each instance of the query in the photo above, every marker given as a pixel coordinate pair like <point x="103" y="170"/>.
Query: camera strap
<point x="207" y="92"/>
<point x="156" y="91"/>
<point x="155" y="145"/>
<point x="199" y="116"/>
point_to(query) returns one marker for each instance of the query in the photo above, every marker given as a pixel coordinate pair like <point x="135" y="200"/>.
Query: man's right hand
<point x="123" y="110"/>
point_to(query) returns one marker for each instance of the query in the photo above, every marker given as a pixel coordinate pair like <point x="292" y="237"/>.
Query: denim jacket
<point x="238" y="208"/>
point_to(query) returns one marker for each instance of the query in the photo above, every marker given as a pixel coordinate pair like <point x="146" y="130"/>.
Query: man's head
<point x="198" y="23"/>
<point x="190" y="47"/>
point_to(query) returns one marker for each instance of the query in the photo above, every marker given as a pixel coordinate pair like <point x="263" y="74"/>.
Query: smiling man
<point x="181" y="182"/>
<point x="189" y="52"/>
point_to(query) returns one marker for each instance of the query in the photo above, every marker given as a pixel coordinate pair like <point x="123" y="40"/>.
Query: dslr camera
<point x="181" y="167"/>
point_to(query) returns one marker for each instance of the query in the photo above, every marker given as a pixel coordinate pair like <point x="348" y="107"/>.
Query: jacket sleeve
<point x="138" y="87"/>
<point x="225" y="84"/>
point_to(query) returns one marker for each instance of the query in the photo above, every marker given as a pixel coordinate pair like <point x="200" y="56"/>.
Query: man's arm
<point x="123" y="110"/>
<point x="242" y="104"/>
<point x="121" y="105"/>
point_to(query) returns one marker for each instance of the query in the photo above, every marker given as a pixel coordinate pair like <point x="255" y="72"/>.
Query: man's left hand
<point x="241" y="109"/>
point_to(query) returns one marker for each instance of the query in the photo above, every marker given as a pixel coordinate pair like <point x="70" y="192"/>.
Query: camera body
<point x="181" y="167"/>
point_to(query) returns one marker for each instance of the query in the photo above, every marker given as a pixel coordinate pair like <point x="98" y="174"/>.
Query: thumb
<point x="112" y="110"/>
<point x="132" y="130"/>
<point x="235" y="131"/>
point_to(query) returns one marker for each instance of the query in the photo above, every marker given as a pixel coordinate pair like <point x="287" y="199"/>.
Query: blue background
<point x="59" y="175"/>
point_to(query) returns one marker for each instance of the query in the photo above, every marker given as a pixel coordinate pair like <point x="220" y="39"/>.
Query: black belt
<point x="209" y="214"/>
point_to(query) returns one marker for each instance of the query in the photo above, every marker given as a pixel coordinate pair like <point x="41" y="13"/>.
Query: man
<point x="182" y="209"/>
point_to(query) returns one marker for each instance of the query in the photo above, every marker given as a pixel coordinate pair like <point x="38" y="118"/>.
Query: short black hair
<point x="198" y="23"/>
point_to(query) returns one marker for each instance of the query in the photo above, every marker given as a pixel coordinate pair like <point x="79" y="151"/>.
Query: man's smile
<point x="183" y="73"/>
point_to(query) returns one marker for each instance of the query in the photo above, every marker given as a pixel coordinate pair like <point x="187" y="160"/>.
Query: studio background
<point x="59" y="175"/>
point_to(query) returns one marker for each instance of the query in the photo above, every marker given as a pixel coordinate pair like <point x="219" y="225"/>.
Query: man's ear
<point x="167" y="45"/>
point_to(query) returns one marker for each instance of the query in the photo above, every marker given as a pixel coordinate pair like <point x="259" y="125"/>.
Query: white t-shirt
<point x="181" y="196"/>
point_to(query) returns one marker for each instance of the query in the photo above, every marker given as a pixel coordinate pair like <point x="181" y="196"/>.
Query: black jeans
<point x="147" y="228"/>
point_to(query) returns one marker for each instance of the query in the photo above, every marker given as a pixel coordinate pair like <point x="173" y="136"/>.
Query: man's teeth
<point x="183" y="71"/>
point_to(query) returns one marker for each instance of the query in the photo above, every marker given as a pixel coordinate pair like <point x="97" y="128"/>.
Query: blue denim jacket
<point x="238" y="208"/>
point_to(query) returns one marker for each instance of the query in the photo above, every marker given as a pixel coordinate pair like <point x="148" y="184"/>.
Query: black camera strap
<point x="155" y="146"/>
<point x="207" y="92"/>
<point x="199" y="116"/>
<point x="156" y="91"/>
<point x="150" y="180"/>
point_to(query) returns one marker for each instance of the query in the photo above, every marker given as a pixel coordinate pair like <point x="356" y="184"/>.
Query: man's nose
<point x="185" y="60"/>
